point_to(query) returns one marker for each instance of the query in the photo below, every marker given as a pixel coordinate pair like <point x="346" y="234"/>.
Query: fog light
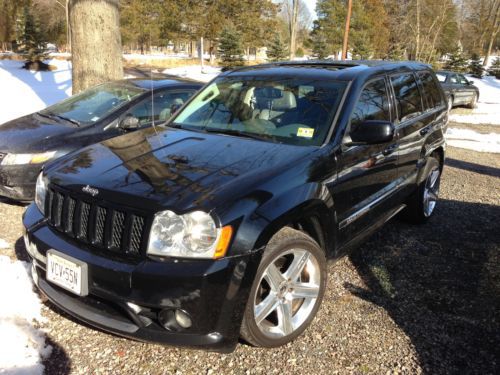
<point x="174" y="320"/>
<point x="183" y="319"/>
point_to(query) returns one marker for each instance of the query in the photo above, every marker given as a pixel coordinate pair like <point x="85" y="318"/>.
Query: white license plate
<point x="66" y="272"/>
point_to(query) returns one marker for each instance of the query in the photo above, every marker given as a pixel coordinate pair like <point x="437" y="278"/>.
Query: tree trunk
<point x="345" y="43"/>
<point x="494" y="33"/>
<point x="95" y="42"/>
<point x="293" y="28"/>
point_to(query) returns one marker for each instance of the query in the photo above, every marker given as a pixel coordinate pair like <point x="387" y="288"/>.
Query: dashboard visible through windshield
<point x="288" y="110"/>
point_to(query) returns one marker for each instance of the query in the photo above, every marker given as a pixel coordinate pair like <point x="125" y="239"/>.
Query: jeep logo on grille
<point x="87" y="189"/>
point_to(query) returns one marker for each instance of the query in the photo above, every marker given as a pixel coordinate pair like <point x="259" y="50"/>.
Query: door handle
<point x="425" y="130"/>
<point x="389" y="150"/>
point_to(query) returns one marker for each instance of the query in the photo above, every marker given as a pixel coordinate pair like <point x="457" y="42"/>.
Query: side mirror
<point x="469" y="83"/>
<point x="129" y="122"/>
<point x="373" y="132"/>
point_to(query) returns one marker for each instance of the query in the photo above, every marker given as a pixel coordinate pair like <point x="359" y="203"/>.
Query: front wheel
<point x="287" y="290"/>
<point x="421" y="205"/>
<point x="473" y="102"/>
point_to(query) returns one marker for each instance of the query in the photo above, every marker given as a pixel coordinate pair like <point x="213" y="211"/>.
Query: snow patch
<point x="4" y="244"/>
<point x="22" y="345"/>
<point x="205" y="74"/>
<point x="471" y="140"/>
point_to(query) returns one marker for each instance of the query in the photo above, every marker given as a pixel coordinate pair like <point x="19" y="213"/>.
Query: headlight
<point x="41" y="192"/>
<point x="19" y="159"/>
<point x="194" y="235"/>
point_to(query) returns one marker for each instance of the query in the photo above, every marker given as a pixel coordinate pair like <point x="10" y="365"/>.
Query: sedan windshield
<point x="93" y="104"/>
<point x="287" y="110"/>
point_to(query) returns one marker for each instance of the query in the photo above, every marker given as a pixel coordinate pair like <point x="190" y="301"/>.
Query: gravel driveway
<point x="411" y="300"/>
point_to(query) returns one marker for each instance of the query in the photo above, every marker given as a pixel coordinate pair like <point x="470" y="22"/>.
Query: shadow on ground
<point x="440" y="283"/>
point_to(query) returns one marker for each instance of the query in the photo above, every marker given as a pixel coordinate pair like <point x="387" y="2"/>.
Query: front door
<point x="366" y="172"/>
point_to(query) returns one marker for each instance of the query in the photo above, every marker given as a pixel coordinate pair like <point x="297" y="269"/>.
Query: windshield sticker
<point x="305" y="132"/>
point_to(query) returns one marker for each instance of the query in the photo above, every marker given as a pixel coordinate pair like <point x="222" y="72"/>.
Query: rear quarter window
<point x="407" y="95"/>
<point x="431" y="90"/>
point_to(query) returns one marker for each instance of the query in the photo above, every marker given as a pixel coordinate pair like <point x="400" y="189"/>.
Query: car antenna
<point x="152" y="87"/>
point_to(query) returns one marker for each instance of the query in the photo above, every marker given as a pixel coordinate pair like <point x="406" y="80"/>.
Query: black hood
<point x="32" y="133"/>
<point x="173" y="168"/>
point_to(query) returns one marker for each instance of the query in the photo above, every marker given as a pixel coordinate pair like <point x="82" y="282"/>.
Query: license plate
<point x="66" y="272"/>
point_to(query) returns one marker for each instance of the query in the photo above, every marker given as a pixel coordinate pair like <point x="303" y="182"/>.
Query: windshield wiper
<point x="52" y="115"/>
<point x="259" y="137"/>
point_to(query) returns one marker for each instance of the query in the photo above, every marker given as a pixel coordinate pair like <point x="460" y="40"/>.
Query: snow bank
<point x="471" y="140"/>
<point x="23" y="92"/>
<point x="488" y="107"/>
<point x="194" y="72"/>
<point x="22" y="346"/>
<point x="3" y="244"/>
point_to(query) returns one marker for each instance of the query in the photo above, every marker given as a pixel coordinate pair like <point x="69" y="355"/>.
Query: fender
<point x="309" y="205"/>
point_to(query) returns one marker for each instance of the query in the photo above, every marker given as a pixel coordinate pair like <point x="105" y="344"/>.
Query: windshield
<point x="93" y="104"/>
<point x="287" y="110"/>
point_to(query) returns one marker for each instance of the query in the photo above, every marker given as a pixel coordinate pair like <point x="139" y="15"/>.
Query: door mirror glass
<point x="373" y="132"/>
<point x="129" y="122"/>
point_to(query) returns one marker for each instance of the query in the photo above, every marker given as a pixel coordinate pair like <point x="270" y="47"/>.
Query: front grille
<point x="96" y="223"/>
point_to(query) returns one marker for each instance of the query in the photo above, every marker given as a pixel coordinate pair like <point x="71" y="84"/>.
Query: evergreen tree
<point x="457" y="62"/>
<point x="230" y="49"/>
<point x="277" y="50"/>
<point x="476" y="66"/>
<point x="494" y="69"/>
<point x="318" y="42"/>
<point x="33" y="42"/>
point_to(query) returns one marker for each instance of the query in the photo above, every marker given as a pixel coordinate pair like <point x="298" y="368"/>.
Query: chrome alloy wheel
<point x="287" y="293"/>
<point x="431" y="192"/>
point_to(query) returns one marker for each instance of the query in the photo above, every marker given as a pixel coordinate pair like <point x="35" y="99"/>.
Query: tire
<point x="421" y="205"/>
<point x="291" y="259"/>
<point x="473" y="102"/>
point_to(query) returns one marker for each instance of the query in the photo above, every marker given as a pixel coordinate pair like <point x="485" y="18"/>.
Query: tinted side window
<point x="431" y="93"/>
<point x="164" y="104"/>
<point x="408" y="100"/>
<point x="454" y="78"/>
<point x="373" y="104"/>
<point x="441" y="77"/>
<point x="462" y="80"/>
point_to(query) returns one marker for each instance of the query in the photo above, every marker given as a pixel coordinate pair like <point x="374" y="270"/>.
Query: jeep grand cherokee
<point x="218" y="224"/>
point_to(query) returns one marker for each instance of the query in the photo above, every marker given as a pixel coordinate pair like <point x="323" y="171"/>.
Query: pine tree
<point x="458" y="62"/>
<point x="277" y="50"/>
<point x="230" y="49"/>
<point x="494" y="69"/>
<point x="476" y="66"/>
<point x="33" y="43"/>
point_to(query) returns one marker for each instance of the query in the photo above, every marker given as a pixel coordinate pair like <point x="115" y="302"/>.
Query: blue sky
<point x="312" y="6"/>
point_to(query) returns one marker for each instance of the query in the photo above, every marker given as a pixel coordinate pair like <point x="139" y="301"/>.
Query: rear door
<point x="414" y="120"/>
<point x="366" y="172"/>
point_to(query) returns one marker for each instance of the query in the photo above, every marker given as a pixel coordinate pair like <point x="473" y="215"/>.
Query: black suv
<point x="218" y="224"/>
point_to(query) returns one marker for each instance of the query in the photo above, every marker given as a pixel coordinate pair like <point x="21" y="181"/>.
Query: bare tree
<point x="95" y="41"/>
<point x="298" y="18"/>
<point x="293" y="28"/>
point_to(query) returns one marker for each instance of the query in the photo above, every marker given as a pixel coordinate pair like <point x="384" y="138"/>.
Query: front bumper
<point x="212" y="293"/>
<point x="18" y="182"/>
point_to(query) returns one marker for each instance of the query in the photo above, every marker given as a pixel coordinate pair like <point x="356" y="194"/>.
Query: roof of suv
<point x="332" y="69"/>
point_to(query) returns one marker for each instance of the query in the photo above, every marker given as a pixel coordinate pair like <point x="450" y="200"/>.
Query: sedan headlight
<point x="41" y="192"/>
<point x="20" y="159"/>
<point x="193" y="235"/>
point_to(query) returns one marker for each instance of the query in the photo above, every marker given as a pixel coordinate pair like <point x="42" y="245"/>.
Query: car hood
<point x="173" y="168"/>
<point x="32" y="133"/>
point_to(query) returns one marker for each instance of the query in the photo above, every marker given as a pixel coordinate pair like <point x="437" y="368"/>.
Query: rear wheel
<point x="422" y="203"/>
<point x="287" y="290"/>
